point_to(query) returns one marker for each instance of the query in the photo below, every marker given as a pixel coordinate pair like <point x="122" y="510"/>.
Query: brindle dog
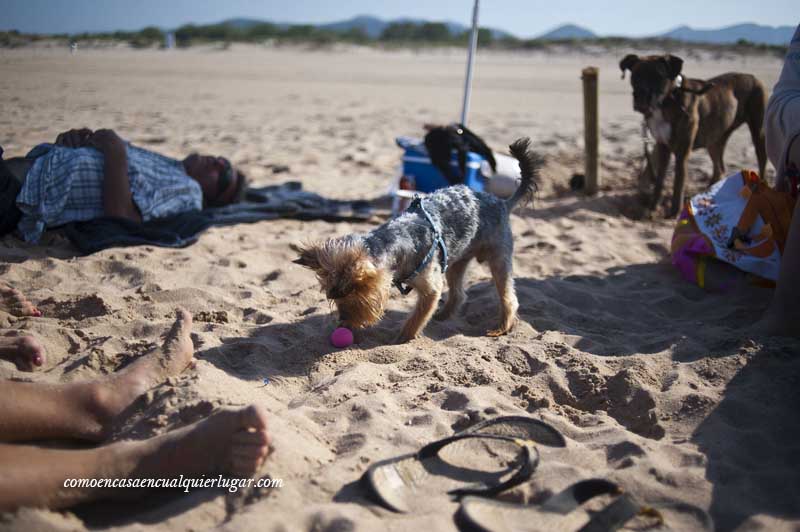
<point x="685" y="114"/>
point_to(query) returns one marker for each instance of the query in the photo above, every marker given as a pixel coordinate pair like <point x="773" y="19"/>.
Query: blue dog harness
<point x="438" y="241"/>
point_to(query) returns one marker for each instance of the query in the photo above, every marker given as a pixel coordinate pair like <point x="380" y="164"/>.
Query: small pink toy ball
<point x="342" y="337"/>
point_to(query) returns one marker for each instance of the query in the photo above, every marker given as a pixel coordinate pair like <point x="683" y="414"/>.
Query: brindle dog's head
<point x="652" y="78"/>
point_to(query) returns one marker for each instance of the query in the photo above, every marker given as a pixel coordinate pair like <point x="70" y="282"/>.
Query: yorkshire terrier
<point x="434" y="238"/>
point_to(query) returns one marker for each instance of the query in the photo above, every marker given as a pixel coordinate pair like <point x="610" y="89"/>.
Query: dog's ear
<point x="697" y="86"/>
<point x="674" y="65"/>
<point x="707" y="86"/>
<point x="627" y="63"/>
<point x="308" y="258"/>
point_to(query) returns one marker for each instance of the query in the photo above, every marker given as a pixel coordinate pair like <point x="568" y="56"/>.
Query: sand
<point x="655" y="383"/>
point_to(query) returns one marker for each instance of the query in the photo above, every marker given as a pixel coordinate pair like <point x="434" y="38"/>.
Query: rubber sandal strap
<point x="616" y="514"/>
<point x="527" y="462"/>
<point x="537" y="430"/>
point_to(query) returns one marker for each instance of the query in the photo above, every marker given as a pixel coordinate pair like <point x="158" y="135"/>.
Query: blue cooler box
<point x="427" y="178"/>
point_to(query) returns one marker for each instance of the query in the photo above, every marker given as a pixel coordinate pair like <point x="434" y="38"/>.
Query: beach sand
<point x="655" y="383"/>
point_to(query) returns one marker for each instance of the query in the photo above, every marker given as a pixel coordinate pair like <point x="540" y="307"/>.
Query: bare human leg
<point x="228" y="442"/>
<point x="85" y="410"/>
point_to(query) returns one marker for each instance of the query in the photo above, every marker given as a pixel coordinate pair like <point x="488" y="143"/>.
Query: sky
<point x="523" y="18"/>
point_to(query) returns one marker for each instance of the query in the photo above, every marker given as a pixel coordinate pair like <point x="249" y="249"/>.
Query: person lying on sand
<point x="233" y="441"/>
<point x="782" y="125"/>
<point x="90" y="174"/>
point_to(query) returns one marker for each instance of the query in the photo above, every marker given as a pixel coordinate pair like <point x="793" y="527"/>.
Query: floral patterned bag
<point x="741" y="221"/>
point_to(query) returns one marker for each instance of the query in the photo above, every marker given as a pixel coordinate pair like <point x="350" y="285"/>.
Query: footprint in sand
<point x="272" y="276"/>
<point x="621" y="455"/>
<point x="75" y="309"/>
<point x="256" y="316"/>
<point x="349" y="443"/>
<point x="454" y="400"/>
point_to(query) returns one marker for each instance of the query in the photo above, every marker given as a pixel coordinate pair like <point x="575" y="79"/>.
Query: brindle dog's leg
<point x="682" y="151"/>
<point x="756" y="126"/>
<point x="455" y="290"/>
<point x="717" y="153"/>
<point x="681" y="160"/>
<point x="504" y="282"/>
<point x="660" y="157"/>
<point x="428" y="286"/>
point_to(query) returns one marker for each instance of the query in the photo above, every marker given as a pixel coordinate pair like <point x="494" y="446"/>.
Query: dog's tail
<point x="529" y="164"/>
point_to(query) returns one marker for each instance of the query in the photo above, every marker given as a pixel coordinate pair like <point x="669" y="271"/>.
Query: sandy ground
<point x="655" y="383"/>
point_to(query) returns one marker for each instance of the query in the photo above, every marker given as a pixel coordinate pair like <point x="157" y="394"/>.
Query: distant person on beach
<point x="782" y="125"/>
<point x="232" y="441"/>
<point x="88" y="174"/>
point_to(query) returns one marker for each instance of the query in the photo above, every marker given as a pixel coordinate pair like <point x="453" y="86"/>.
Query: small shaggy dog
<point x="435" y="237"/>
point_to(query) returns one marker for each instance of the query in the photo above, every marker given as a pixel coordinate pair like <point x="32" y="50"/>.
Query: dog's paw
<point x="442" y="315"/>
<point x="403" y="339"/>
<point x="494" y="333"/>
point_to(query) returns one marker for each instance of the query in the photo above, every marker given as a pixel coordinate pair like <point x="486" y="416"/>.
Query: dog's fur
<point x="698" y="114"/>
<point x="356" y="271"/>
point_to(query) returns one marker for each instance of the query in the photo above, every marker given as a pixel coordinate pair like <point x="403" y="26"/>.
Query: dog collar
<point x="438" y="242"/>
<point x="675" y="93"/>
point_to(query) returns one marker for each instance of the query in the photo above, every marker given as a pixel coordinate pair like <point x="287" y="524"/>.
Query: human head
<point x="222" y="184"/>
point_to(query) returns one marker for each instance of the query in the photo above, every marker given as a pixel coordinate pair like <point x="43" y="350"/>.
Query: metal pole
<point x="473" y="44"/>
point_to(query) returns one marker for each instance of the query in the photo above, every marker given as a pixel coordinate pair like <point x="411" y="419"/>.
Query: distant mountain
<point x="246" y="23"/>
<point x="780" y="35"/>
<point x="455" y="28"/>
<point x="567" y="31"/>
<point x="242" y="23"/>
<point x="372" y="26"/>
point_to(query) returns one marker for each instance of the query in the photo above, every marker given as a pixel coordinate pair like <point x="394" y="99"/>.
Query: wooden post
<point x="591" y="129"/>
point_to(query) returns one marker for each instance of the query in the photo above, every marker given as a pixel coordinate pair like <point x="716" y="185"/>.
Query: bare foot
<point x="24" y="351"/>
<point x="229" y="442"/>
<point x="110" y="396"/>
<point x="15" y="303"/>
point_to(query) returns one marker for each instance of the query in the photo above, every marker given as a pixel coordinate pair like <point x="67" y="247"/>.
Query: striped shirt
<point x="66" y="185"/>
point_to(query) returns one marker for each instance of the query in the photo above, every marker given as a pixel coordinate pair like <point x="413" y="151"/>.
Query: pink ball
<point x="342" y="337"/>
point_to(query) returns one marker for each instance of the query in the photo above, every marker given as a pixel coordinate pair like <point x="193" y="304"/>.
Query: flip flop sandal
<point x="520" y="427"/>
<point x="486" y="459"/>
<point x="563" y="512"/>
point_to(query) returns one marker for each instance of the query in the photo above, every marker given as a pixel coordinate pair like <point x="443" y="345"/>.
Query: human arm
<point x="782" y="117"/>
<point x="782" y="125"/>
<point x="117" y="196"/>
<point x="74" y="138"/>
